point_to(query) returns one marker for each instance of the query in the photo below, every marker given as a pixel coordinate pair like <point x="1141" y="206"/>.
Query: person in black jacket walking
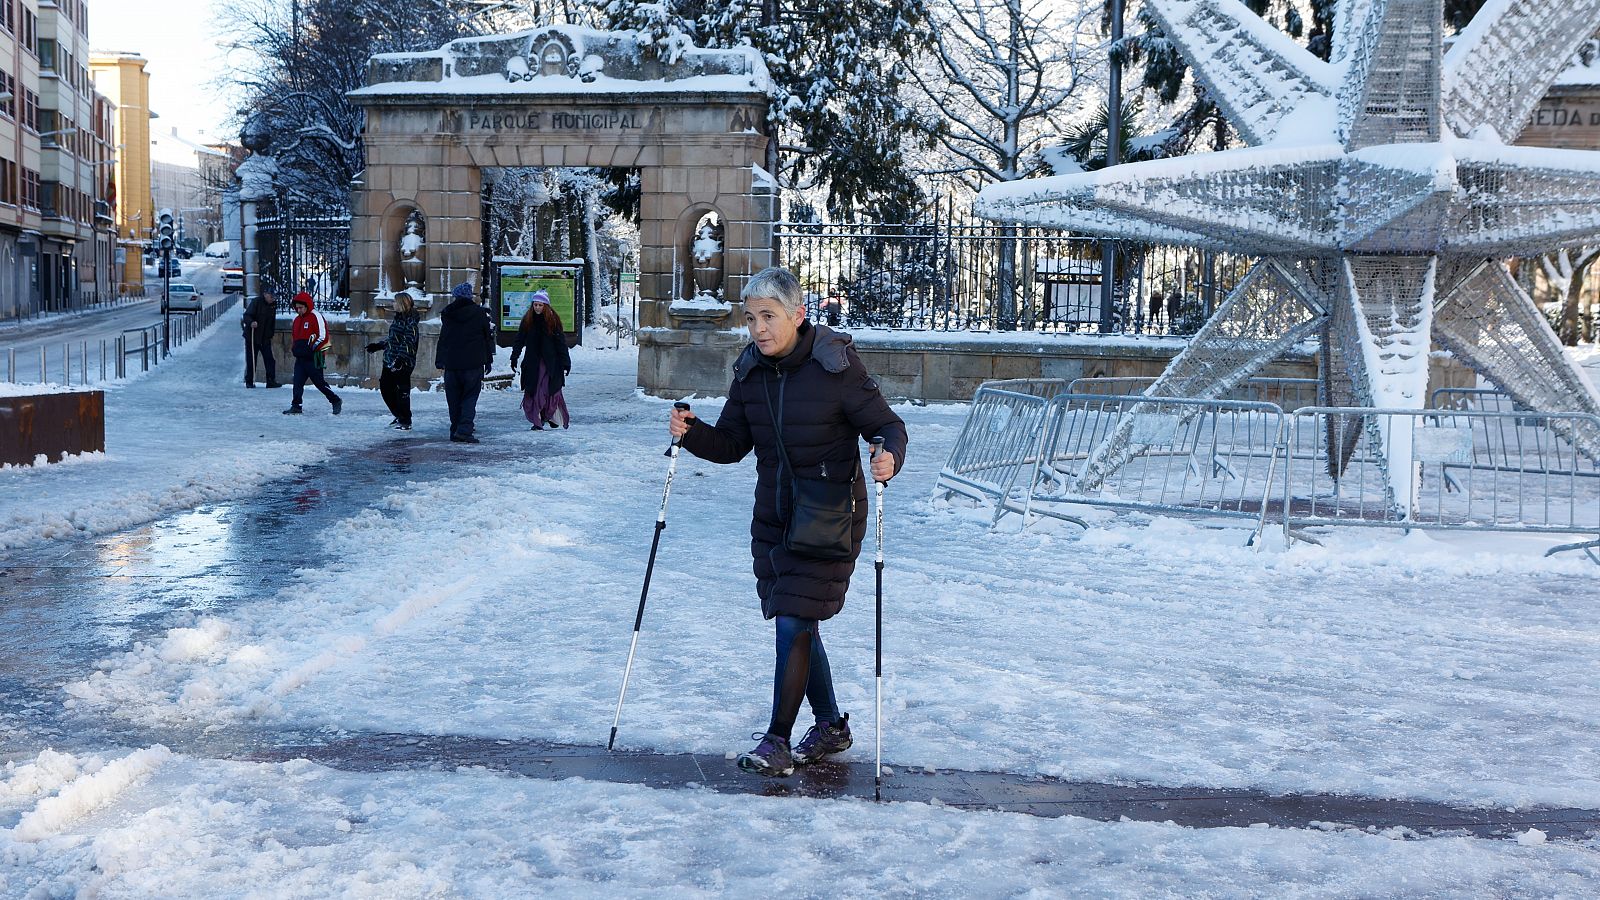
<point x="399" y="360"/>
<point x="549" y="363"/>
<point x="466" y="354"/>
<point x="259" y="322"/>
<point x="806" y="380"/>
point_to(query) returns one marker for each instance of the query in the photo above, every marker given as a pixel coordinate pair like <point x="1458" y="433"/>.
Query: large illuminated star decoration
<point x="1381" y="195"/>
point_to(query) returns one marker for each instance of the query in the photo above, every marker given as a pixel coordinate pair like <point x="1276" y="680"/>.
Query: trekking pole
<point x="649" y="567"/>
<point x="877" y="643"/>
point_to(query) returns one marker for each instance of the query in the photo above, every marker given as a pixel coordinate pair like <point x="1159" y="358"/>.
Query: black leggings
<point x="802" y="670"/>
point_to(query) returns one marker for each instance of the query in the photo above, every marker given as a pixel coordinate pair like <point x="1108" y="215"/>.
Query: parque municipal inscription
<point x="550" y="120"/>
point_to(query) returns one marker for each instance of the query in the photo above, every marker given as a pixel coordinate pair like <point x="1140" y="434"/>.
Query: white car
<point x="182" y="297"/>
<point x="219" y="249"/>
<point x="232" y="281"/>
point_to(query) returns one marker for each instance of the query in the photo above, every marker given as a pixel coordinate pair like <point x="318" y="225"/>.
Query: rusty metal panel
<point x="51" y="424"/>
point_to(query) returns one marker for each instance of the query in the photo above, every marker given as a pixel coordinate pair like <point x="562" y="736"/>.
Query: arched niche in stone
<point x="402" y="256"/>
<point x="699" y="239"/>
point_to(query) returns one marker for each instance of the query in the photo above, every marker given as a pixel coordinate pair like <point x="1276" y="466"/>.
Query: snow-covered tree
<point x="296" y="60"/>
<point x="996" y="88"/>
<point x="1567" y="271"/>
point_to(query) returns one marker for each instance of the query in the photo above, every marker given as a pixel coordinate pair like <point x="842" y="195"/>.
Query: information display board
<point x="517" y="282"/>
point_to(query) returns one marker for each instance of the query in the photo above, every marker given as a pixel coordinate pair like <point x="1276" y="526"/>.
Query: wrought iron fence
<point x="306" y="251"/>
<point x="969" y="275"/>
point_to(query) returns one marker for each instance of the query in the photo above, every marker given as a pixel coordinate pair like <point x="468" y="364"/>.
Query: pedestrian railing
<point x="1474" y="469"/>
<point x="136" y="349"/>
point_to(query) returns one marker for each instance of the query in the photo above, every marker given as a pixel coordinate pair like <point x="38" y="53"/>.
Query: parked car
<point x="219" y="249"/>
<point x="233" y="280"/>
<point x="182" y="297"/>
<point x="182" y="252"/>
<point x="169" y="266"/>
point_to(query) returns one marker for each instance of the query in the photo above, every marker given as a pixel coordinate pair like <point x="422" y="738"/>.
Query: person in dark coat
<point x="808" y="379"/>
<point x="311" y="340"/>
<point x="548" y="364"/>
<point x="466" y="354"/>
<point x="399" y="359"/>
<point x="260" y="321"/>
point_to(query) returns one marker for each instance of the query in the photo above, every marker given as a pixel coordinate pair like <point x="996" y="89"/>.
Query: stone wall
<point x="348" y="362"/>
<point x="676" y="363"/>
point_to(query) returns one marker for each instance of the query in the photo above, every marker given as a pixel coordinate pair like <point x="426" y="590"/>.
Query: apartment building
<point x="20" y="159"/>
<point x="75" y="153"/>
<point x="56" y="251"/>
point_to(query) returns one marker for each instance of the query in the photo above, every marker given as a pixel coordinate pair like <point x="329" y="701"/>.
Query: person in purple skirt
<point x="545" y="371"/>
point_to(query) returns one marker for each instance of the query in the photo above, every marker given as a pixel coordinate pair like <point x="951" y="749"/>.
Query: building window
<point x="30" y="30"/>
<point x="30" y="110"/>
<point x="47" y="198"/>
<point x="30" y="189"/>
<point x="8" y="85"/>
<point x="8" y="13"/>
<point x="47" y="53"/>
<point x="8" y="182"/>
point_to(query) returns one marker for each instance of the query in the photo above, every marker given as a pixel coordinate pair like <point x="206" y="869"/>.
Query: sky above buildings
<point x="181" y="40"/>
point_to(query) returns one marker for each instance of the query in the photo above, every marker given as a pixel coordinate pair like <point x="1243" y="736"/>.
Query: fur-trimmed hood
<point x="819" y="342"/>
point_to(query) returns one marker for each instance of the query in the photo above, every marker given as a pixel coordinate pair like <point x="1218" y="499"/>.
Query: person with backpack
<point x="803" y="401"/>
<point x="310" y="335"/>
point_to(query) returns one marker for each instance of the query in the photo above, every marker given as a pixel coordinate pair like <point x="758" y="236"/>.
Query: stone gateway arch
<point x="564" y="96"/>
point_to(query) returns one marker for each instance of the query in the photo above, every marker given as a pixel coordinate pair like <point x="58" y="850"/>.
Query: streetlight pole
<point x="1108" y="256"/>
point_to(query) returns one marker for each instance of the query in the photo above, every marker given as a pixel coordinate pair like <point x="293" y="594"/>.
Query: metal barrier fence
<point x="1215" y="457"/>
<point x="1484" y="470"/>
<point x="1476" y="470"/>
<point x="1285" y="393"/>
<point x="1000" y="437"/>
<point x="1486" y="399"/>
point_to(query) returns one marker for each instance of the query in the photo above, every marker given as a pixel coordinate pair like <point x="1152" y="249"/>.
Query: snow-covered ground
<point x="149" y="824"/>
<point x="497" y="600"/>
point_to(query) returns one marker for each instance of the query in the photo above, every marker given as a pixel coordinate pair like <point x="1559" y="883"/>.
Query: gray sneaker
<point x="822" y="740"/>
<point x="770" y="757"/>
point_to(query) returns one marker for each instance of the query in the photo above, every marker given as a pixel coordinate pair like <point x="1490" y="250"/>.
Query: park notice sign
<point x="517" y="282"/>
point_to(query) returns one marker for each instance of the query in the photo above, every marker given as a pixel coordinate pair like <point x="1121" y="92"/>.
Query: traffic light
<point x="164" y="236"/>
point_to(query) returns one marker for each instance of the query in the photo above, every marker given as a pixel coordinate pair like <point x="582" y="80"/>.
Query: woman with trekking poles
<point x="803" y="401"/>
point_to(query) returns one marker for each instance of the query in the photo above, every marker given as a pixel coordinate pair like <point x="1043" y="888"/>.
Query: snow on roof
<point x="562" y="60"/>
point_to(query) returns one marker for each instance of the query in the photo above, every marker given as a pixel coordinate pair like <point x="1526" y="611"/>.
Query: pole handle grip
<point x="683" y="405"/>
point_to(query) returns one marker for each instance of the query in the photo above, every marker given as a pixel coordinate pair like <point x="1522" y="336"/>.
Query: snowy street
<point x="225" y="581"/>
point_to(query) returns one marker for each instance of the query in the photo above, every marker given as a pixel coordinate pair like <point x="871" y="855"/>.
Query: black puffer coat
<point x="542" y="346"/>
<point x="829" y="404"/>
<point x="466" y="336"/>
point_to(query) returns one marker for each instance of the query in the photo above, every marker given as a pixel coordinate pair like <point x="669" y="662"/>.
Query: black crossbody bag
<point x="822" y="513"/>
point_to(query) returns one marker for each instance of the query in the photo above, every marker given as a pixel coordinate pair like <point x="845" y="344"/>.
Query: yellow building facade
<point x="122" y="78"/>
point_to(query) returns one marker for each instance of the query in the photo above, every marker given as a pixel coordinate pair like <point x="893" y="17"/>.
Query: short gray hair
<point x="775" y="283"/>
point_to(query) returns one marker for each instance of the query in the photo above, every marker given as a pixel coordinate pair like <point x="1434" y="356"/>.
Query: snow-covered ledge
<point x="949" y="366"/>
